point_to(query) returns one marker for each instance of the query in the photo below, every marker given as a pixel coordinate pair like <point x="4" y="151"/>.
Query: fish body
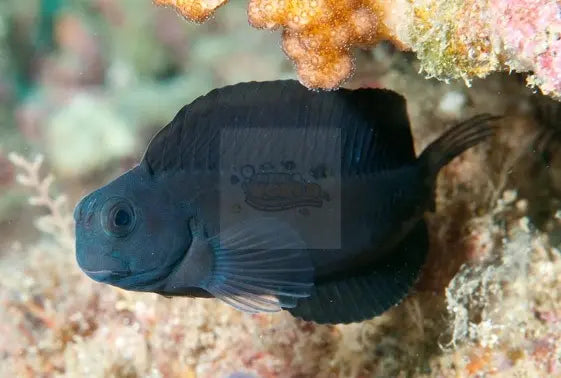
<point x="269" y="196"/>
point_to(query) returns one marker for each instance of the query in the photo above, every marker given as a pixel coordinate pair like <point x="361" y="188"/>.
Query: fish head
<point x="129" y="233"/>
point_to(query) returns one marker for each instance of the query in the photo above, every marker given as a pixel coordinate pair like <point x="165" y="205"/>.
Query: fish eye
<point x="118" y="217"/>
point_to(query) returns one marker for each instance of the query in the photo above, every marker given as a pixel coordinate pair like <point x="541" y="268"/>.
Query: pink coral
<point x="531" y="33"/>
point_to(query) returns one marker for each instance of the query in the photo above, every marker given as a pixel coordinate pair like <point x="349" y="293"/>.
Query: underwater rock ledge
<point x="454" y="39"/>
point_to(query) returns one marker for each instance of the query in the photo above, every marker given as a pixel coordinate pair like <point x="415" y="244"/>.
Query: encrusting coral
<point x="453" y="38"/>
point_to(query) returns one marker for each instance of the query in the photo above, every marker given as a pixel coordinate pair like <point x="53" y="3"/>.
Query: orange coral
<point x="317" y="34"/>
<point x="194" y="10"/>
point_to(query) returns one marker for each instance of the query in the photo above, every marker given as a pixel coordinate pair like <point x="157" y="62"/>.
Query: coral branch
<point x="58" y="222"/>
<point x="194" y="10"/>
<point x="318" y="34"/>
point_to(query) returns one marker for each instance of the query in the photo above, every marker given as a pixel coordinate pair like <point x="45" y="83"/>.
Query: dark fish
<point x="339" y="247"/>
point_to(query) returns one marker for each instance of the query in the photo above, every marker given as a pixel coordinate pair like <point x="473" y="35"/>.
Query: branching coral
<point x="57" y="222"/>
<point x="318" y="34"/>
<point x="195" y="10"/>
<point x="453" y="38"/>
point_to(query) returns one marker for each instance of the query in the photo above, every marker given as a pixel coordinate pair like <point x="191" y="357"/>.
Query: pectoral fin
<point x="260" y="266"/>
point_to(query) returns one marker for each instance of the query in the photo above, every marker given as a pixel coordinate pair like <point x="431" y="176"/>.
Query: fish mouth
<point x="145" y="280"/>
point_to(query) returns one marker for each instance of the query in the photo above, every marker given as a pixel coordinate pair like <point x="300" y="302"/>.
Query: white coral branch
<point x="58" y="222"/>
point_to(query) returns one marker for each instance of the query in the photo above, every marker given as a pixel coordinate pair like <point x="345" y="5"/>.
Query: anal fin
<point x="363" y="296"/>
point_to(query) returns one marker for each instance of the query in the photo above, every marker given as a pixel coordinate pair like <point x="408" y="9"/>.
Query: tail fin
<point x="453" y="142"/>
<point x="456" y="140"/>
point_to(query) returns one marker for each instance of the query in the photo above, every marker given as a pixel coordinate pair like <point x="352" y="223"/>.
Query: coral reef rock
<point x="454" y="39"/>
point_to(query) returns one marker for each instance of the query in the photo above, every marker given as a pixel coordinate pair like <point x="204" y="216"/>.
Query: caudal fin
<point x="456" y="140"/>
<point x="451" y="144"/>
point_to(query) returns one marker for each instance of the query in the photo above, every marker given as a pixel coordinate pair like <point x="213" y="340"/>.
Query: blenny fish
<point x="269" y="197"/>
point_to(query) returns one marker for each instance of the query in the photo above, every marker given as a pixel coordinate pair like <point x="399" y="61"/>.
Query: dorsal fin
<point x="374" y="124"/>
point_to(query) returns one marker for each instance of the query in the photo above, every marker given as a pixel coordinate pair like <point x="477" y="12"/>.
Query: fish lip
<point x="121" y="278"/>
<point x="151" y="284"/>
